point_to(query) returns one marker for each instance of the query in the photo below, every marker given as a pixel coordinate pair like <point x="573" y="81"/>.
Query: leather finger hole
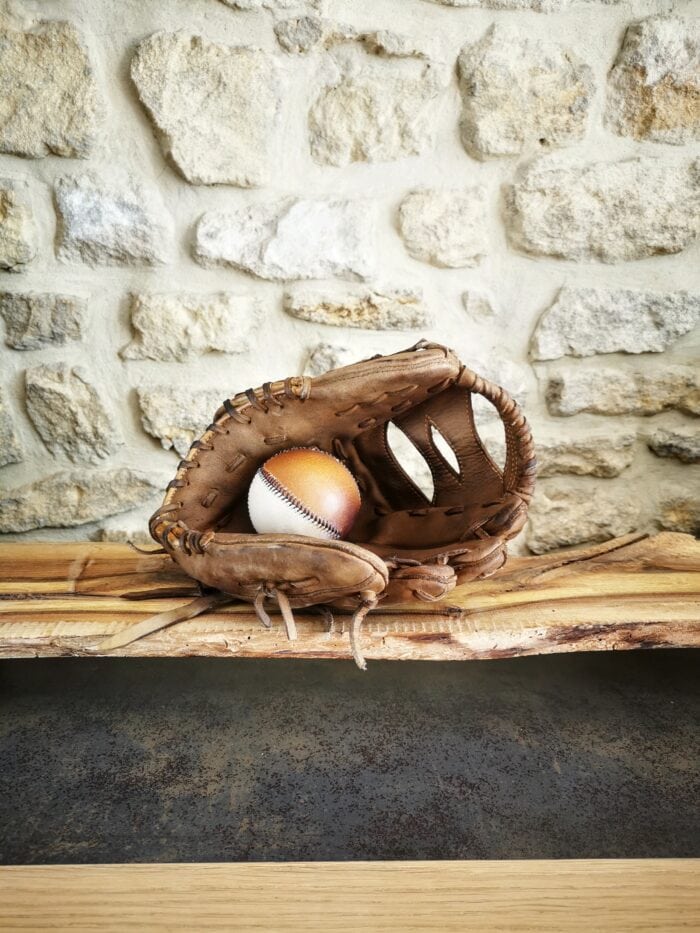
<point x="442" y="445"/>
<point x="411" y="460"/>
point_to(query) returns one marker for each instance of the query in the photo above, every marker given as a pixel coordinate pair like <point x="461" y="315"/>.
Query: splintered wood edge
<point x="631" y="592"/>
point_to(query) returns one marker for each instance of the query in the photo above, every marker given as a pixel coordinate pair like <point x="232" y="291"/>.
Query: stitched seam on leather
<point x="283" y="493"/>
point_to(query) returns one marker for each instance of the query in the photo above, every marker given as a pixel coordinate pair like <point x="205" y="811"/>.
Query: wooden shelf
<point x="608" y="896"/>
<point x="59" y="599"/>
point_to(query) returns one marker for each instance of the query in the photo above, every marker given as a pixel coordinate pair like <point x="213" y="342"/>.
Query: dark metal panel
<point x="592" y="755"/>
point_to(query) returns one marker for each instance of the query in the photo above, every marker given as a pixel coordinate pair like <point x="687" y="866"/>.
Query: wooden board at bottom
<point x="619" y="896"/>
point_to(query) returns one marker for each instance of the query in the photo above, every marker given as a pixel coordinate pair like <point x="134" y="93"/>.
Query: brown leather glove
<point x="402" y="547"/>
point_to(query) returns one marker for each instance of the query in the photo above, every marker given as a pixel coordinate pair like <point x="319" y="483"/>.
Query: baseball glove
<point x="402" y="546"/>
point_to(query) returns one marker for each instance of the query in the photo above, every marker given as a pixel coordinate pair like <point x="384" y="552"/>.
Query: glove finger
<point x="472" y="567"/>
<point x="426" y="582"/>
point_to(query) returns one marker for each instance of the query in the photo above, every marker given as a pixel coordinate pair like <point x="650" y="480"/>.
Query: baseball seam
<point x="283" y="493"/>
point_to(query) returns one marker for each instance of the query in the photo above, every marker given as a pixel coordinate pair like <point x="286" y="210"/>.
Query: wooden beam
<point x="59" y="599"/>
<point x="608" y="896"/>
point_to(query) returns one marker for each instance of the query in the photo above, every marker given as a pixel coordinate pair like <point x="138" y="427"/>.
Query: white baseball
<point x="303" y="491"/>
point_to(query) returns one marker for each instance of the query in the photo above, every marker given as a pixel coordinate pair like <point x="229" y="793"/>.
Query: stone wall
<point x="199" y="195"/>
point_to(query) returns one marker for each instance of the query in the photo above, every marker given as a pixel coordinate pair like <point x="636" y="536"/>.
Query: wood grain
<point x="59" y="599"/>
<point x="621" y="896"/>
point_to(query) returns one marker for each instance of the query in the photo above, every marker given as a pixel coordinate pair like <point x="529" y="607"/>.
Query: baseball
<point x="303" y="491"/>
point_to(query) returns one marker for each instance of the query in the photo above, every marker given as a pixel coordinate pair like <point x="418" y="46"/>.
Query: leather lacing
<point x="270" y="591"/>
<point x="377" y="400"/>
<point x="521" y="463"/>
<point x="358" y="617"/>
<point x="368" y="601"/>
<point x="297" y="388"/>
<point x="234" y="413"/>
<point x="207" y="601"/>
<point x="161" y="620"/>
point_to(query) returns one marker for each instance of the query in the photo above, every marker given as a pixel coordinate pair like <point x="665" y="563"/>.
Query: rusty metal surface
<point x="208" y="760"/>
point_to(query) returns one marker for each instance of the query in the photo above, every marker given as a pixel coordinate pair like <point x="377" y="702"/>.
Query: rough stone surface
<point x="654" y="86"/>
<point x="479" y="305"/>
<point x="300" y="33"/>
<point x="182" y="325"/>
<point x="585" y="321"/>
<point x="445" y="227"/>
<point x="74" y="498"/>
<point x="120" y="534"/>
<point x="214" y="106"/>
<point x="681" y="443"/>
<point x="276" y="5"/>
<point x="562" y="515"/>
<point x="17" y="230"/>
<point x="410" y="459"/>
<point x="623" y="391"/>
<point x="614" y="212"/>
<point x="325" y="241"/>
<point x="34" y="320"/>
<point x="603" y="455"/>
<point x="378" y="103"/>
<point x="286" y="240"/>
<point x="69" y="413"/>
<point x="11" y="450"/>
<point x="177" y="415"/>
<point x="537" y="6"/>
<point x="681" y="511"/>
<point x="326" y="356"/>
<point x="594" y="454"/>
<point x="370" y="309"/>
<point x="111" y="222"/>
<point x="49" y="102"/>
<point x="519" y="91"/>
